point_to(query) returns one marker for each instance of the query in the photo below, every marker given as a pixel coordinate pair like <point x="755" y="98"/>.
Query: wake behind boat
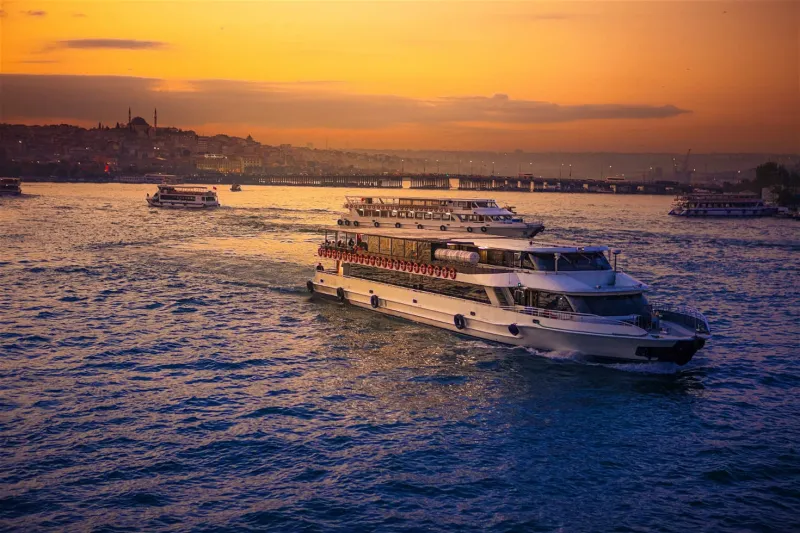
<point x="460" y="214"/>
<point x="183" y="196"/>
<point x="544" y="296"/>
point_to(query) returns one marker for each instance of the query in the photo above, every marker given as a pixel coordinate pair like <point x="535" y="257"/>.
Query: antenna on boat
<point x="616" y="253"/>
<point x="557" y="256"/>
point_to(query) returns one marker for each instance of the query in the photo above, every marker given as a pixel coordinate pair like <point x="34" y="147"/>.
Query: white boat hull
<point x="182" y="205"/>
<point x="622" y="343"/>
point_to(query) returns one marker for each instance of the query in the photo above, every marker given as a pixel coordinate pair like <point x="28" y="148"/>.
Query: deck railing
<point x="681" y="314"/>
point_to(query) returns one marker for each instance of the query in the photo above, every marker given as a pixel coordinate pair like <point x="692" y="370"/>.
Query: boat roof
<point x="436" y="198"/>
<point x="495" y="242"/>
<point x="193" y="188"/>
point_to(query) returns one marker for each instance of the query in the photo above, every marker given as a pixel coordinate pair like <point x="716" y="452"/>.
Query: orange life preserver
<point x="416" y="268"/>
<point x="321" y="251"/>
<point x="361" y="258"/>
<point x="430" y="270"/>
<point x="339" y="255"/>
<point x="453" y="273"/>
<point x="437" y="271"/>
<point x="372" y="260"/>
<point x="327" y="252"/>
<point x="385" y="263"/>
<point x="349" y="257"/>
<point x="402" y="265"/>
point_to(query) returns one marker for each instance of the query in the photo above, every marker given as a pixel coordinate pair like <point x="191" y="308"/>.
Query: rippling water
<point x="167" y="370"/>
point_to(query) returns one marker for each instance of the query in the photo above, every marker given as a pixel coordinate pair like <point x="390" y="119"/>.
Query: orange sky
<point x="402" y="74"/>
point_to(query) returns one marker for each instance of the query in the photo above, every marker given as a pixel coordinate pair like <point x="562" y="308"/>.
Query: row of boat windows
<point x="464" y="204"/>
<point x="421" y="215"/>
<point x="723" y="206"/>
<point x="447" y="287"/>
<point x="180" y="198"/>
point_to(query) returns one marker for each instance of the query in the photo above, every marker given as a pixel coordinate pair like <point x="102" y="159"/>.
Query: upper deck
<point x="172" y="189"/>
<point x="483" y="242"/>
<point x="419" y="203"/>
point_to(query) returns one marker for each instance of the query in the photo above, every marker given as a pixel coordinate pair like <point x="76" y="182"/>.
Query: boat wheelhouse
<point x="460" y="214"/>
<point x="183" y="196"/>
<point x="720" y="205"/>
<point x="10" y="186"/>
<point x="551" y="297"/>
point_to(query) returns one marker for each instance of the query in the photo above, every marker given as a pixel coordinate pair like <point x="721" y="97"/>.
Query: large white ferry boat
<point x="183" y="196"/>
<point x="10" y="186"/>
<point x="545" y="296"/>
<point x="720" y="205"/>
<point x="466" y="214"/>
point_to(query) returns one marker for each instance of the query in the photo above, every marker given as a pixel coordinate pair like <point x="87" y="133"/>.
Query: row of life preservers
<point x="390" y="264"/>
<point x="385" y="207"/>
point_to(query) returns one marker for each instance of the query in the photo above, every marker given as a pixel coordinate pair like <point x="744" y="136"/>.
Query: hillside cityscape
<point x="67" y="152"/>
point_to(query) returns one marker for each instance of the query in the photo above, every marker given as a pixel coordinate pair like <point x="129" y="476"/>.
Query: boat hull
<point x="724" y="213"/>
<point x="613" y="344"/>
<point x="177" y="205"/>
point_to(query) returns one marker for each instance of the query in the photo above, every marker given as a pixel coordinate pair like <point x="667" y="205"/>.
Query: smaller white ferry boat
<point x="183" y="196"/>
<point x="481" y="215"/>
<point x="555" y="297"/>
<point x="721" y="205"/>
<point x="10" y="186"/>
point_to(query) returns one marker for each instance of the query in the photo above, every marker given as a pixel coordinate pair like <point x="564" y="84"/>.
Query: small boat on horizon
<point x="235" y="187"/>
<point x="456" y="214"/>
<point x="10" y="186"/>
<point x="183" y="196"/>
<point x="553" y="297"/>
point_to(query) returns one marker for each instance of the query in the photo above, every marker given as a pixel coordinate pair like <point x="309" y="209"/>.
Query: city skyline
<point x="545" y="76"/>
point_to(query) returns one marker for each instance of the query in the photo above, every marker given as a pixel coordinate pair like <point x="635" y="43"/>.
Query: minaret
<point x="155" y="121"/>
<point x="129" y="116"/>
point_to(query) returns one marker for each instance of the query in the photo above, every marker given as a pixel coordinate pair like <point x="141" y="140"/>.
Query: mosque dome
<point x="139" y="121"/>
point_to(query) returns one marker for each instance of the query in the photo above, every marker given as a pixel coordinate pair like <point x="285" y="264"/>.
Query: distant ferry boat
<point x="10" y="186"/>
<point x="544" y="296"/>
<point x="154" y="179"/>
<point x="236" y="187"/>
<point x="182" y="196"/>
<point x="720" y="205"/>
<point x="464" y="214"/>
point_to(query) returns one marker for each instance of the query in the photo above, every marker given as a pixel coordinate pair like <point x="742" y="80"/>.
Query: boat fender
<point x="469" y="229"/>
<point x="340" y="294"/>
<point x="483" y="229"/>
<point x="396" y="224"/>
<point x="419" y="226"/>
<point x="459" y="321"/>
<point x="377" y="224"/>
<point x="374" y="301"/>
<point x="340" y="221"/>
<point x="355" y="223"/>
<point x="513" y="329"/>
<point x="443" y="227"/>
<point x="310" y="287"/>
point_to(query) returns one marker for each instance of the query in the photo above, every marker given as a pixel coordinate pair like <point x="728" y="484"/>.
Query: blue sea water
<point x="166" y="370"/>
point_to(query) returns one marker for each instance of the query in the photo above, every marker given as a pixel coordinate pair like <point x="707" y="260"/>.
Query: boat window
<point x="418" y="214"/>
<point x="437" y="216"/>
<point x="551" y="300"/>
<point x="567" y="262"/>
<point x="446" y="216"/>
<point x="428" y="216"/>
<point x="385" y="245"/>
<point x="611" y="305"/>
<point x="398" y="247"/>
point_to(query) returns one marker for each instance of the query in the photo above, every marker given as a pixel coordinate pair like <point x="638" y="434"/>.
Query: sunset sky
<point x="540" y="76"/>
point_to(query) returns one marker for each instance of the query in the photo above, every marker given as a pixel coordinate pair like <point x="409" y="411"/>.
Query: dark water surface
<point x="166" y="370"/>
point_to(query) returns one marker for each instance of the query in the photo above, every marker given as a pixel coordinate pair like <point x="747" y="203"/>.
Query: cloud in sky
<point x="113" y="44"/>
<point x="284" y="105"/>
<point x="34" y="13"/>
